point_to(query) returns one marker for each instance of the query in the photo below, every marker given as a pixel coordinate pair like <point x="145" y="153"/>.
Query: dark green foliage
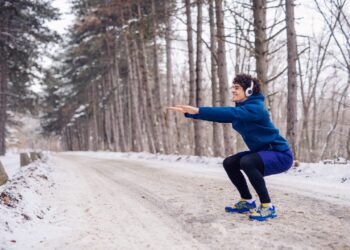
<point x="22" y="34"/>
<point x="52" y="118"/>
<point x="95" y="43"/>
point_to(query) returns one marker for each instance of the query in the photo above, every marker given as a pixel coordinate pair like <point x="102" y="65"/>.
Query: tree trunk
<point x="151" y="118"/>
<point x="113" y="107"/>
<point x="95" y="135"/>
<point x="3" y="106"/>
<point x="292" y="77"/>
<point x="131" y="97"/>
<point x="348" y="146"/>
<point x="142" y="110"/>
<point x="222" y="73"/>
<point x="158" y="98"/>
<point x="110" y="80"/>
<point x="199" y="129"/>
<point x="137" y="138"/>
<point x="313" y="134"/>
<point x="169" y="76"/>
<point x="261" y="46"/>
<point x="192" y="93"/>
<point x="117" y="105"/>
<point x="107" y="115"/>
<point x="153" y="142"/>
<point x="217" y="128"/>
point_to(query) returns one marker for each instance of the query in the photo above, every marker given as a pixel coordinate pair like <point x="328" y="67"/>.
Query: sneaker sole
<point x="263" y="219"/>
<point x="230" y="210"/>
<point x="237" y="212"/>
<point x="227" y="210"/>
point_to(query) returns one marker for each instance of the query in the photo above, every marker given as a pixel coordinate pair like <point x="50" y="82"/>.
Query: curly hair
<point x="245" y="81"/>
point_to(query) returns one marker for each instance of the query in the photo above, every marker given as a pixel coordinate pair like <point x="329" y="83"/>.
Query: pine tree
<point x="22" y="31"/>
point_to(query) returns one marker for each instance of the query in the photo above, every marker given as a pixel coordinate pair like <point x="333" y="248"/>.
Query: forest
<point x="122" y="62"/>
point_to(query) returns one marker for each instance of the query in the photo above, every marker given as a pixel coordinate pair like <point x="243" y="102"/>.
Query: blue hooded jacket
<point x="251" y="120"/>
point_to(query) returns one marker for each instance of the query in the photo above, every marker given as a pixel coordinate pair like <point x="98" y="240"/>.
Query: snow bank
<point x="337" y="173"/>
<point x="21" y="200"/>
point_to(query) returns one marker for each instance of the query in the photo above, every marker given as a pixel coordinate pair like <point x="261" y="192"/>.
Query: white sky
<point x="66" y="17"/>
<point x="307" y="17"/>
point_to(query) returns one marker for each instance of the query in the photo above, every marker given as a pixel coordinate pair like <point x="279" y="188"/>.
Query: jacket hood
<point x="252" y="99"/>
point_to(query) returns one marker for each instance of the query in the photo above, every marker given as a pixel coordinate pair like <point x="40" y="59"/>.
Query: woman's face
<point x="238" y="94"/>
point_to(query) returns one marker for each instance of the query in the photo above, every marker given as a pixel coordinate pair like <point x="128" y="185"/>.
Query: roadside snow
<point x="23" y="208"/>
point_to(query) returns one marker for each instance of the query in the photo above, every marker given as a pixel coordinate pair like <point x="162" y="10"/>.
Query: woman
<point x="268" y="154"/>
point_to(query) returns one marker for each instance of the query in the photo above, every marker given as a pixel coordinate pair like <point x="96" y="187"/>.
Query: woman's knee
<point x="245" y="163"/>
<point x="250" y="163"/>
<point x="226" y="162"/>
<point x="231" y="162"/>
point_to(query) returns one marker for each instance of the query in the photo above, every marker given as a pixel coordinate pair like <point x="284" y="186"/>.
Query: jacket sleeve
<point x="228" y="114"/>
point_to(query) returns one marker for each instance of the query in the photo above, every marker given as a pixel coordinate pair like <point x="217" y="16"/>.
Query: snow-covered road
<point x="87" y="200"/>
<point x="140" y="204"/>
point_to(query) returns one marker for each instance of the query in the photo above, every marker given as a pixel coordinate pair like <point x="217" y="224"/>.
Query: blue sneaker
<point x="263" y="213"/>
<point x="241" y="207"/>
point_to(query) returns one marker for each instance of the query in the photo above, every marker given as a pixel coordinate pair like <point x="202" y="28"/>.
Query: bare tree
<point x="169" y="77"/>
<point x="199" y="129"/>
<point x="217" y="128"/>
<point x="151" y="118"/>
<point x="292" y="77"/>
<point x="309" y="74"/>
<point x="334" y="121"/>
<point x="348" y="145"/>
<point x="190" y="53"/>
<point x="158" y="97"/>
<point x="3" y="106"/>
<point x="222" y="73"/>
<point x="261" y="46"/>
<point x="343" y="24"/>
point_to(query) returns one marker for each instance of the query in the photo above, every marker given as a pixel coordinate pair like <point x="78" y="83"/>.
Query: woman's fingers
<point x="183" y="106"/>
<point x="177" y="109"/>
<point x="184" y="109"/>
<point x="188" y="108"/>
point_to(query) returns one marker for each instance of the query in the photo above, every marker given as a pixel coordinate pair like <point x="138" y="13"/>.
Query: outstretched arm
<point x="213" y="114"/>
<point x="221" y="114"/>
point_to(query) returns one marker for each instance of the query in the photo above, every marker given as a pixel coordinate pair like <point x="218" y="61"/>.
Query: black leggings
<point x="253" y="167"/>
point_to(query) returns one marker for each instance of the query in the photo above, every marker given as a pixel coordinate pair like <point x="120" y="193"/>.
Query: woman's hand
<point x="184" y="109"/>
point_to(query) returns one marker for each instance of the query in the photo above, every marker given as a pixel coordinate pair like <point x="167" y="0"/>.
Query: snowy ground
<point x="102" y="200"/>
